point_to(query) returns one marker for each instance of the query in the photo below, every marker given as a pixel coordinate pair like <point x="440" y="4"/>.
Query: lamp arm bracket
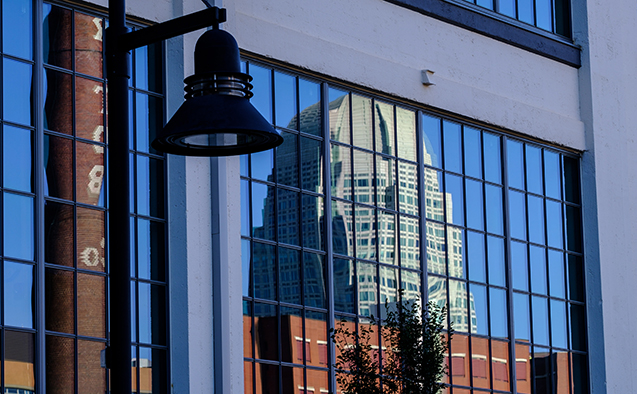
<point x="172" y="28"/>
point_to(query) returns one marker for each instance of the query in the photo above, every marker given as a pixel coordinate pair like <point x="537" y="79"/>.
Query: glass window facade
<point x="367" y="196"/>
<point x="551" y="15"/>
<point x="54" y="265"/>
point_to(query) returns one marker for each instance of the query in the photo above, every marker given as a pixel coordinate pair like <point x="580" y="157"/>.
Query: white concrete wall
<point x="379" y="45"/>
<point x="609" y="109"/>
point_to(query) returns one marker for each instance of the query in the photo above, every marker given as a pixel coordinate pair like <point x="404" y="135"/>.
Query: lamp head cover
<point x="217" y="118"/>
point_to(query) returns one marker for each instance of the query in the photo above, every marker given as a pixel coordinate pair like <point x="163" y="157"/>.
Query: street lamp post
<point x="232" y="126"/>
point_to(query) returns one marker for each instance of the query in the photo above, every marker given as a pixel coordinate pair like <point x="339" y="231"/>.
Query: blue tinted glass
<point x="492" y="162"/>
<point x="573" y="229"/>
<point x="536" y="219"/>
<point x="537" y="260"/>
<point x="17" y="28"/>
<point x="145" y="313"/>
<point x="494" y="209"/>
<point x="517" y="213"/>
<point x="571" y="180"/>
<point x="478" y="300"/>
<point x="455" y="198"/>
<point x="288" y="216"/>
<point x="262" y="89"/>
<point x="458" y="302"/>
<point x="525" y="11"/>
<point x="506" y="7"/>
<point x="544" y="17"/>
<point x="18" y="226"/>
<point x="534" y="169"/>
<point x="314" y="283"/>
<point x="339" y="116"/>
<point x="341" y="172"/>
<point x="453" y="146"/>
<point x="472" y="152"/>
<point x="521" y="316"/>
<point x="287" y="165"/>
<point x="18" y="295"/>
<point x="475" y="256"/>
<point x="16" y="90"/>
<point x="263" y="165"/>
<point x="431" y="146"/>
<point x="262" y="211"/>
<point x="246" y="256"/>
<point x="245" y="208"/>
<point x="485" y="3"/>
<point x="149" y="120"/>
<point x="556" y="274"/>
<point x="558" y="324"/>
<point x="554" y="224"/>
<point x="264" y="274"/>
<point x="540" y="321"/>
<point x="455" y="252"/>
<point x="17" y="159"/>
<point x="515" y="164"/>
<point x="312" y="167"/>
<point x="148" y="67"/>
<point x="498" y="309"/>
<point x="143" y="182"/>
<point x="434" y="196"/>
<point x="244" y="159"/>
<point x="578" y="327"/>
<point x="475" y="217"/>
<point x="552" y="174"/>
<point x="519" y="266"/>
<point x="150" y="249"/>
<point x="342" y="230"/>
<point x="289" y="274"/>
<point x="437" y="292"/>
<point x="495" y="261"/>
<point x="285" y="100"/>
<point x="310" y="112"/>
<point x="312" y="230"/>
<point x="575" y="278"/>
<point x="344" y="286"/>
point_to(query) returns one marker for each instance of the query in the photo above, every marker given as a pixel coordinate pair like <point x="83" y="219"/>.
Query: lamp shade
<point x="217" y="118"/>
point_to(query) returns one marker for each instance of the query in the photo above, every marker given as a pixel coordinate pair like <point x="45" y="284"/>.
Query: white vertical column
<point x="226" y="267"/>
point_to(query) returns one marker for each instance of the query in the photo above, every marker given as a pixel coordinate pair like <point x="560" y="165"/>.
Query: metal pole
<point x="119" y="201"/>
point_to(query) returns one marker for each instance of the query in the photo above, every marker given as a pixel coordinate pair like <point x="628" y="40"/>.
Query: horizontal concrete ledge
<point x="497" y="29"/>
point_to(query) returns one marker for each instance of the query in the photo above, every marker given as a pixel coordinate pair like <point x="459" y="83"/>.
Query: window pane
<point x="537" y="260"/>
<point x="558" y="324"/>
<point x="431" y="146"/>
<point x="475" y="216"/>
<point x="262" y="90"/>
<point x="384" y="114"/>
<point x="434" y="197"/>
<point x="88" y="44"/>
<point x="437" y="293"/>
<point x="264" y="268"/>
<point x="342" y="231"/>
<point x="339" y="116"/>
<point x="17" y="158"/>
<point x="17" y="85"/>
<point x="60" y="364"/>
<point x="492" y="162"/>
<point x="573" y="229"/>
<point x="152" y="314"/>
<point x="288" y="216"/>
<point x="408" y="188"/>
<point x="91" y="311"/>
<point x="18" y="295"/>
<point x="521" y="320"/>
<point x="150" y="250"/>
<point x="519" y="266"/>
<point x="556" y="274"/>
<point x="362" y="121"/>
<point x="571" y="180"/>
<point x="58" y="241"/>
<point x="19" y="360"/>
<point x="310" y="111"/>
<point x="453" y="146"/>
<point x="554" y="224"/>
<point x="341" y="172"/>
<point x="285" y="100"/>
<point x="367" y="289"/>
<point x="388" y="289"/>
<point x="534" y="169"/>
<point x="89" y="109"/>
<point x="540" y="321"/>
<point x="472" y="152"/>
<point x="475" y="256"/>
<point x="58" y="101"/>
<point x="495" y="261"/>
<point x="495" y="224"/>
<point x="90" y="239"/>
<point x="17" y="28"/>
<point x="406" y="130"/>
<point x="149" y="117"/>
<point x="525" y="11"/>
<point x="578" y="327"/>
<point x="89" y="174"/>
<point x="365" y="233"/>
<point x="363" y="175"/>
<point x="57" y="25"/>
<point x="344" y="296"/>
<point x="387" y="238"/>
<point x="436" y="248"/>
<point x="455" y="252"/>
<point x="312" y="165"/>
<point x="149" y="68"/>
<point x="385" y="182"/>
<point x="266" y="333"/>
<point x="544" y="17"/>
<point x="409" y="243"/>
<point x="455" y="197"/>
<point x="245" y="208"/>
<point x="314" y="283"/>
<point x="575" y="278"/>
<point x="506" y="7"/>
<point x="246" y="264"/>
<point x="515" y="164"/>
<point x="263" y="164"/>
<point x="313" y="220"/>
<point x="498" y="310"/>
<point x="287" y="163"/>
<point x="91" y="376"/>
<point x="479" y="307"/>
<point x="552" y="174"/>
<point x="458" y="305"/>
<point x="517" y="213"/>
<point x="18" y="226"/>
<point x="59" y="301"/>
<point x="150" y="186"/>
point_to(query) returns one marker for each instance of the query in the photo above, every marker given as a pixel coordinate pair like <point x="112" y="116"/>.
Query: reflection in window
<point x="501" y="241"/>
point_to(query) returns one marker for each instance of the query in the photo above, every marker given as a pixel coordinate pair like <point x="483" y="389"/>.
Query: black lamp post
<point x="216" y="120"/>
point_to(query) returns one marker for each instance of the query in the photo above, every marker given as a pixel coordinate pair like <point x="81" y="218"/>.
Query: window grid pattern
<point x="550" y="15"/>
<point x="55" y="266"/>
<point x="512" y="335"/>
